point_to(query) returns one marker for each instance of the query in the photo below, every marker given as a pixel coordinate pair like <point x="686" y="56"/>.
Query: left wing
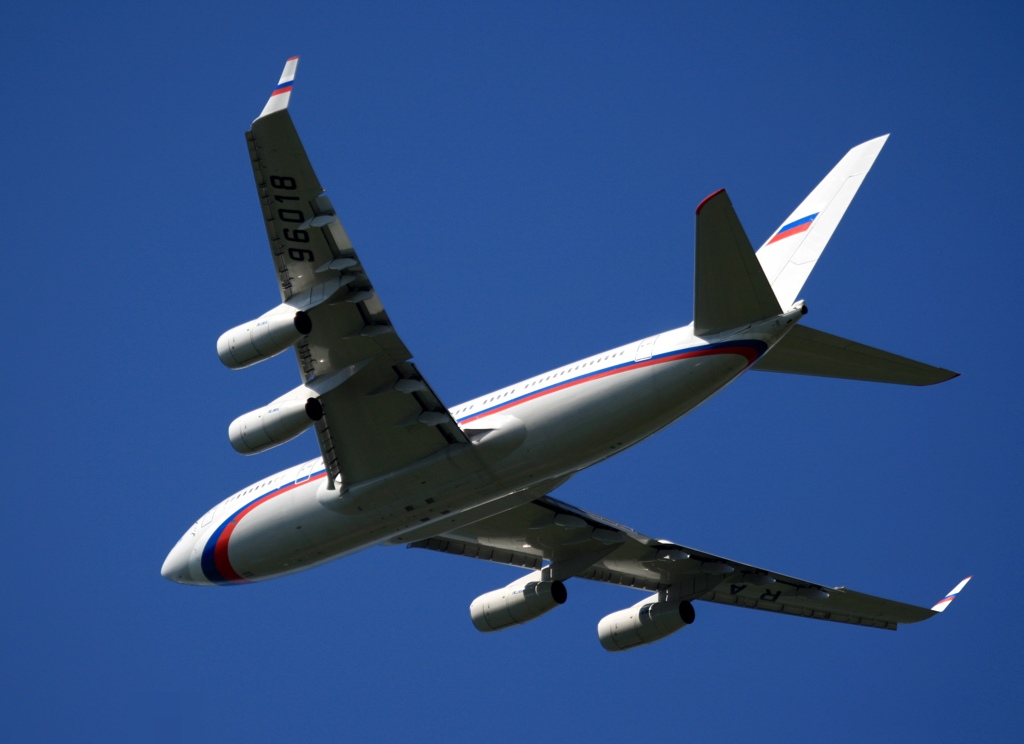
<point x="574" y="542"/>
<point x="379" y="412"/>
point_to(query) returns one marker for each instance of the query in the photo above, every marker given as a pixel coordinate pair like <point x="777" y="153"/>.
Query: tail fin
<point x="791" y="252"/>
<point x="730" y="289"/>
<point x="805" y="351"/>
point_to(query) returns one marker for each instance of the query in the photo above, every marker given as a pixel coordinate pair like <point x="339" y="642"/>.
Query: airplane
<point x="397" y="467"/>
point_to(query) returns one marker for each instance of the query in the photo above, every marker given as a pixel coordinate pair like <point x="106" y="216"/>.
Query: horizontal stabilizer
<point x="730" y="288"/>
<point x="805" y="351"/>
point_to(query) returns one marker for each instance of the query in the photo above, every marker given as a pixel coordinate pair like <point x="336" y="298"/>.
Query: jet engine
<point x="265" y="428"/>
<point x="521" y="601"/>
<point x="645" y="622"/>
<point x="262" y="338"/>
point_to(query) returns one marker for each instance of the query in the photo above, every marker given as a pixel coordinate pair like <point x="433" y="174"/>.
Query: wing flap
<point x="371" y="426"/>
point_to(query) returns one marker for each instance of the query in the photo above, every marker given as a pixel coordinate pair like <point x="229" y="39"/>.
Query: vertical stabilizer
<point x="791" y="252"/>
<point x="730" y="289"/>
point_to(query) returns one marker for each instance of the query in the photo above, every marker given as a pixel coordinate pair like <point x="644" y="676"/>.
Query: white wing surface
<point x="379" y="412"/>
<point x="573" y="542"/>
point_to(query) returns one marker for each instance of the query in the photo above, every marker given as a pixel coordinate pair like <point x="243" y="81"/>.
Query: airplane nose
<point x="175" y="566"/>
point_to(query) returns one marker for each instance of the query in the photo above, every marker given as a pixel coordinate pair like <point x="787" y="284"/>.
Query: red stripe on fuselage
<point x="220" y="549"/>
<point x="750" y="355"/>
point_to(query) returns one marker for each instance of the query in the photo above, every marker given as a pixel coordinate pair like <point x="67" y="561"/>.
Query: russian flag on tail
<point x="797" y="226"/>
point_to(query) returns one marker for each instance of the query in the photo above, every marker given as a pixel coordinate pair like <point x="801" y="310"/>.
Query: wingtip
<point x="946" y="601"/>
<point x="282" y="93"/>
<point x="874" y="145"/>
<point x="941" y="375"/>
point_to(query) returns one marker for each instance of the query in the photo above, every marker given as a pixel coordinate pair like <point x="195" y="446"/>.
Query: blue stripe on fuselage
<point x="758" y="347"/>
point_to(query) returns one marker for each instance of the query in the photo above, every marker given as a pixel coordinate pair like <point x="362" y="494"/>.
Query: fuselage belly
<point x="525" y="438"/>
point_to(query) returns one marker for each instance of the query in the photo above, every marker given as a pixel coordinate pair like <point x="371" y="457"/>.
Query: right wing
<point x="574" y="542"/>
<point x="379" y="412"/>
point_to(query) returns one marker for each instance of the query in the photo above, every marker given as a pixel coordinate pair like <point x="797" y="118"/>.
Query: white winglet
<point x="279" y="98"/>
<point x="789" y="255"/>
<point x="945" y="602"/>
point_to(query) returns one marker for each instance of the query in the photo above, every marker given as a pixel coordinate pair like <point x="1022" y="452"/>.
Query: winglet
<point x="945" y="602"/>
<point x="279" y="98"/>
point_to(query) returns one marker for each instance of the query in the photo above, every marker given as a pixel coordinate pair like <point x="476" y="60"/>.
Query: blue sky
<point x="520" y="182"/>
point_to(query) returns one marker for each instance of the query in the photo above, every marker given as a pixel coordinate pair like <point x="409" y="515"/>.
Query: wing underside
<point x="573" y="542"/>
<point x="379" y="412"/>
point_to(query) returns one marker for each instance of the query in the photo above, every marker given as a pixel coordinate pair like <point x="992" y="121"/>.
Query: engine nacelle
<point x="265" y="428"/>
<point x="519" y="602"/>
<point x="262" y="338"/>
<point x="644" y="622"/>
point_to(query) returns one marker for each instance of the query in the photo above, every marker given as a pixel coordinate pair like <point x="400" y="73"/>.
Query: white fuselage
<point x="524" y="440"/>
